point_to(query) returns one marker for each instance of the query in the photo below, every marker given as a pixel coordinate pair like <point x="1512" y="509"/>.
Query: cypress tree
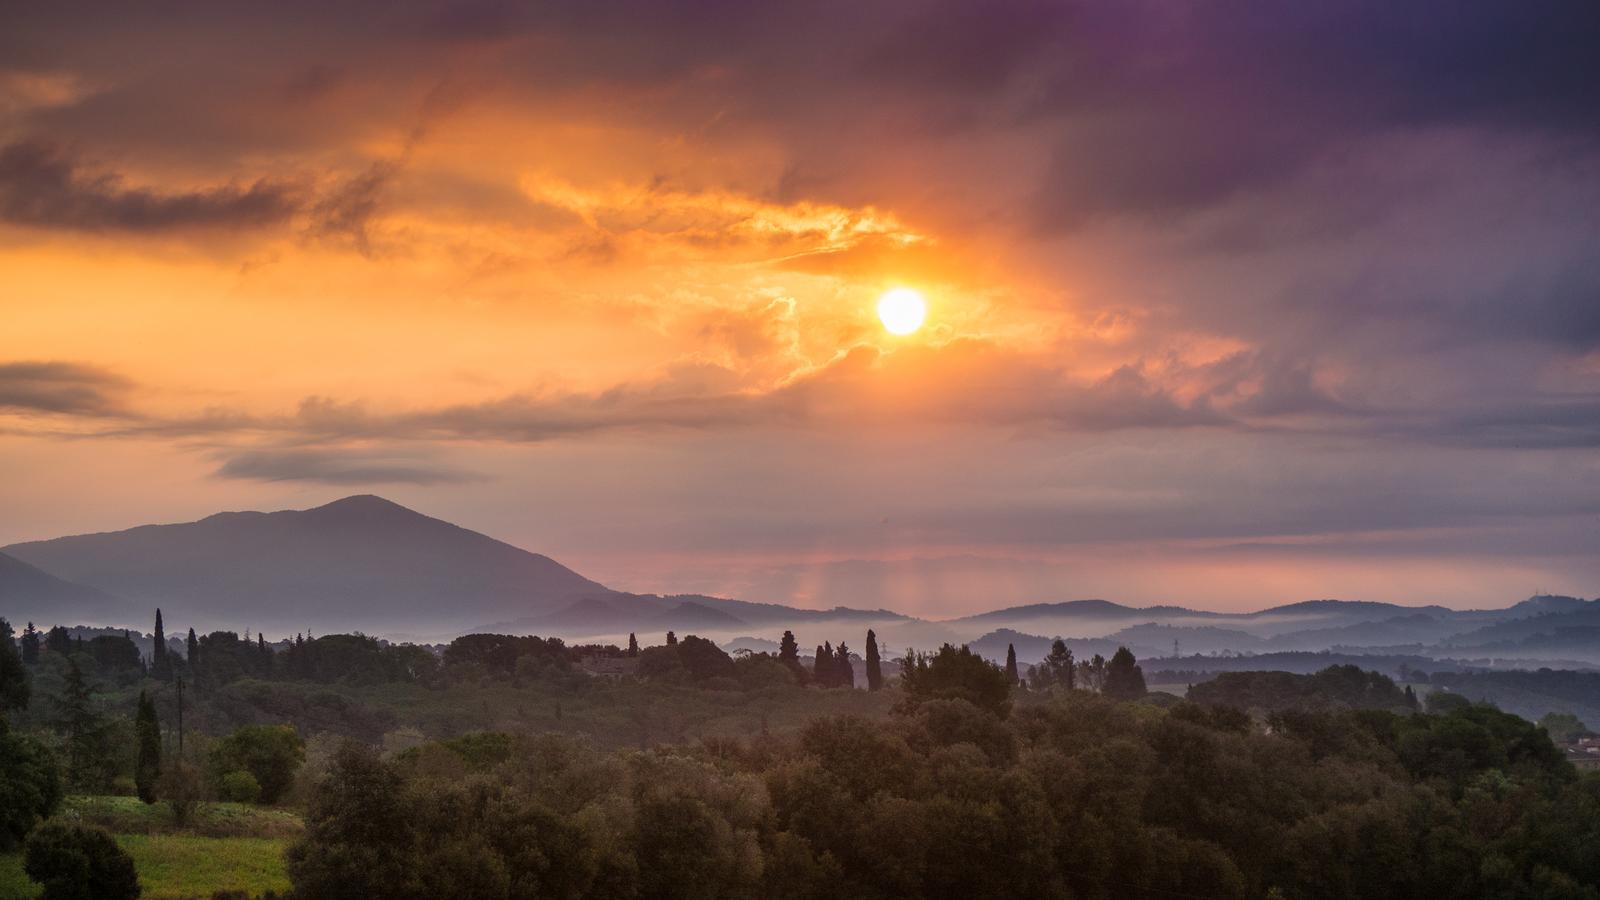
<point x="633" y="645"/>
<point x="160" y="664"/>
<point x="874" y="664"/>
<point x="672" y="639"/>
<point x="844" y="673"/>
<point x="822" y="664"/>
<point x="30" y="645"/>
<point x="148" y="771"/>
<point x="1011" y="664"/>
<point x="194" y="651"/>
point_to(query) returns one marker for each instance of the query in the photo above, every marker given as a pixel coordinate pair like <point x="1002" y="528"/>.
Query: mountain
<point x="360" y="562"/>
<point x="30" y="594"/>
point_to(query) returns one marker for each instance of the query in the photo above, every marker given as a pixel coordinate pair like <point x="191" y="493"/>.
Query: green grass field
<point x="227" y="846"/>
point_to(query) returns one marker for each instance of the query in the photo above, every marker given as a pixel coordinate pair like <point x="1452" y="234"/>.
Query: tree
<point x="822" y="665"/>
<point x="193" y="657"/>
<point x="30" y="645"/>
<point x="704" y="659"/>
<point x="789" y="656"/>
<point x="160" y="662"/>
<point x="874" y="663"/>
<point x="269" y="753"/>
<point x="147" y="773"/>
<point x="13" y="675"/>
<point x="633" y="645"/>
<point x="1056" y="670"/>
<point x="953" y="674"/>
<point x="30" y="786"/>
<point x="1564" y="727"/>
<point x="1011" y="665"/>
<point x="74" y="862"/>
<point x="358" y="840"/>
<point x="84" y="729"/>
<point x="672" y="639"/>
<point x="844" y="673"/>
<point x="58" y="640"/>
<point x="1124" y="679"/>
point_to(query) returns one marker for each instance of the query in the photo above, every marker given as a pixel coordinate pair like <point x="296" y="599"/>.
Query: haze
<point x="1211" y="320"/>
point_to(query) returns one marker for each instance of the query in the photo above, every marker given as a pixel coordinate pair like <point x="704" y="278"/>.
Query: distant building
<point x="1583" y="753"/>
<point x="614" y="667"/>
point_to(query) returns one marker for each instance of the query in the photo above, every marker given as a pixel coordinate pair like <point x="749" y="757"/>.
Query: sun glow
<point x="902" y="310"/>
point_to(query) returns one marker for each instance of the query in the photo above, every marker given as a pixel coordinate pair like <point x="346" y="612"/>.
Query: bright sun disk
<point x="902" y="310"/>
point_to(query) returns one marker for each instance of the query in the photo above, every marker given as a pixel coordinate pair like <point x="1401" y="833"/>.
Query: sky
<point x="1228" y="304"/>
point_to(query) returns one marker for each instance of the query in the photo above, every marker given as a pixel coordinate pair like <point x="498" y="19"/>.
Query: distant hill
<point x="360" y="562"/>
<point x="30" y="594"/>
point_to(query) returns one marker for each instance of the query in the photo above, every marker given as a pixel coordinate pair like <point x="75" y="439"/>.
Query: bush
<point x="239" y="787"/>
<point x="77" y="863"/>
<point x="30" y="786"/>
<point x="270" y="753"/>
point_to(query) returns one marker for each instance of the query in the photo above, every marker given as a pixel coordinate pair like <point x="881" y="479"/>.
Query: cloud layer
<point x="1333" y="263"/>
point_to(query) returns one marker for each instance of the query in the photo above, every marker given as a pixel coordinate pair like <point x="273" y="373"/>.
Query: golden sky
<point x="1207" y="323"/>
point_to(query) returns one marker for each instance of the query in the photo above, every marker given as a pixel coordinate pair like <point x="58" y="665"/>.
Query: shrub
<point x="77" y="863"/>
<point x="270" y="753"/>
<point x="30" y="786"/>
<point x="239" y="786"/>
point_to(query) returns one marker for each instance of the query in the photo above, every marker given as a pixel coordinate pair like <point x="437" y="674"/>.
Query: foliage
<point x="1564" y="727"/>
<point x="14" y="689"/>
<point x="30" y="786"/>
<point x="1336" y="687"/>
<point x="89" y="763"/>
<point x="1124" y="679"/>
<point x="955" y="674"/>
<point x="77" y="863"/>
<point x="147" y="772"/>
<point x="1055" y="670"/>
<point x="239" y="786"/>
<point x="875" y="663"/>
<point x="270" y="754"/>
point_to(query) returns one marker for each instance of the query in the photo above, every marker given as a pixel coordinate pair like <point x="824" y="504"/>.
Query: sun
<point x="902" y="310"/>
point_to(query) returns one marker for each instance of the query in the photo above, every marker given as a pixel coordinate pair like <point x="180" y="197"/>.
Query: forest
<point x="503" y="766"/>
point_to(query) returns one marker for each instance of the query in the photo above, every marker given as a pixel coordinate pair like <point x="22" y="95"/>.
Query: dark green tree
<point x="822" y="665"/>
<point x="844" y="674"/>
<point x="85" y="731"/>
<point x="160" y="662"/>
<point x="58" y="640"/>
<point x="1124" y="678"/>
<point x="1011" y="665"/>
<point x="874" y="663"/>
<point x="359" y="839"/>
<point x="633" y="645"/>
<point x="672" y="639"/>
<point x="269" y="753"/>
<point x="30" y="785"/>
<point x="193" y="656"/>
<point x="1056" y="670"/>
<point x="73" y="862"/>
<point x="955" y="674"/>
<point x="30" y="645"/>
<point x="147" y="772"/>
<point x="13" y="674"/>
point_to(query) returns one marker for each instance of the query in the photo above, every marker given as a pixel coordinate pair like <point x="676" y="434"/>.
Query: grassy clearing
<point x="177" y="867"/>
<point x="128" y="815"/>
<point x="173" y="866"/>
<point x="224" y="847"/>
